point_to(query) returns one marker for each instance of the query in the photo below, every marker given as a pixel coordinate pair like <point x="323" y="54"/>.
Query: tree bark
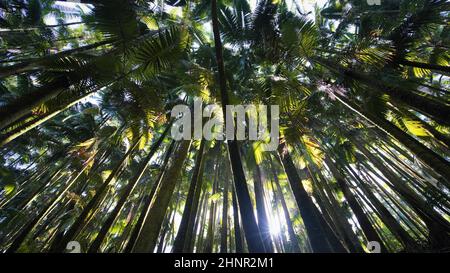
<point x="308" y="211"/>
<point x="95" y="246"/>
<point x="439" y="228"/>
<point x="148" y="235"/>
<point x="430" y="158"/>
<point x="293" y="240"/>
<point x="224" y="227"/>
<point x="263" y="222"/>
<point x="147" y="201"/>
<point x="366" y="226"/>
<point x="87" y="211"/>
<point x="252" y="233"/>
<point x="190" y="208"/>
<point x="237" y="228"/>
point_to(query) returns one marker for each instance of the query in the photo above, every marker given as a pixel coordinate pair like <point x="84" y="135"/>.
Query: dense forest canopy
<point x="86" y="92"/>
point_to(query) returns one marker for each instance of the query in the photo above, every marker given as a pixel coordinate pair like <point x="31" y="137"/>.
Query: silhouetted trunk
<point x="25" y="231"/>
<point x="198" y="222"/>
<point x="199" y="244"/>
<point x="292" y="236"/>
<point x="212" y="215"/>
<point x="148" y="200"/>
<point x="308" y="211"/>
<point x="148" y="235"/>
<point x="365" y="223"/>
<point x="438" y="227"/>
<point x="224" y="228"/>
<point x="430" y="158"/>
<point x="263" y="222"/>
<point x="237" y="227"/>
<point x="387" y="218"/>
<point x="168" y="222"/>
<point x="88" y="210"/>
<point x="252" y="233"/>
<point x="337" y="216"/>
<point x="95" y="246"/>
<point x="189" y="207"/>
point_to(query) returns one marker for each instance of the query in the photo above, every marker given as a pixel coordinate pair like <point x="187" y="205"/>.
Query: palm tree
<point x="86" y="153"/>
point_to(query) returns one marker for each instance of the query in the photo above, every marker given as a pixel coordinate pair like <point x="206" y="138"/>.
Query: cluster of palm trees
<point x="85" y="124"/>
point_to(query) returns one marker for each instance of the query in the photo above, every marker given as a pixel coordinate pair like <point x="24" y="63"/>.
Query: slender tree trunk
<point x="292" y="236"/>
<point x="190" y="232"/>
<point x="208" y="248"/>
<point x="435" y="67"/>
<point x="437" y="110"/>
<point x="192" y="197"/>
<point x="148" y="235"/>
<point x="252" y="233"/>
<point x="308" y="211"/>
<point x="263" y="222"/>
<point x="95" y="246"/>
<point x="430" y="158"/>
<point x="147" y="201"/>
<point x="237" y="227"/>
<point x="39" y="63"/>
<point x="168" y="222"/>
<point x="87" y="211"/>
<point x="439" y="228"/>
<point x="387" y="218"/>
<point x="334" y="210"/>
<point x="366" y="226"/>
<point x="30" y="226"/>
<point x="224" y="228"/>
<point x="199" y="244"/>
<point x="198" y="222"/>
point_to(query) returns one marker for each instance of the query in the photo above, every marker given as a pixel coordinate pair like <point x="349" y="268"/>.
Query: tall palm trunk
<point x="148" y="235"/>
<point x="237" y="226"/>
<point x="292" y="236"/>
<point x="202" y="223"/>
<point x="30" y="226"/>
<point x="387" y="218"/>
<point x="224" y="227"/>
<point x="308" y="211"/>
<point x="435" y="67"/>
<point x="198" y="222"/>
<point x="208" y="248"/>
<point x="437" y="110"/>
<point x="87" y="211"/>
<point x="263" y="222"/>
<point x="147" y="201"/>
<point x="439" y="228"/>
<point x="252" y="233"/>
<point x="363" y="220"/>
<point x="168" y="222"/>
<point x="192" y="197"/>
<point x="129" y="188"/>
<point x="337" y="216"/>
<point x="430" y="158"/>
<point x="6" y="71"/>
